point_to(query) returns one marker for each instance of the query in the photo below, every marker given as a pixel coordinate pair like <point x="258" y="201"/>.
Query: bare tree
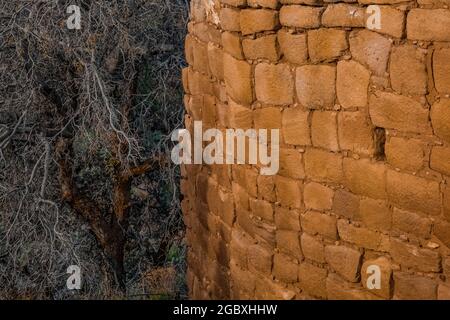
<point x="80" y="128"/>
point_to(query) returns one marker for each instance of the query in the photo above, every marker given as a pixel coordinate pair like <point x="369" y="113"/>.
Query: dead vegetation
<point x="85" y="119"/>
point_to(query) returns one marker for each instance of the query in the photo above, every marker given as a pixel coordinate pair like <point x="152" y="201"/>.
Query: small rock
<point x="432" y="245"/>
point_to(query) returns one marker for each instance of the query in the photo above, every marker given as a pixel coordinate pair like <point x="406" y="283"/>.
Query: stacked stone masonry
<point x="364" y="179"/>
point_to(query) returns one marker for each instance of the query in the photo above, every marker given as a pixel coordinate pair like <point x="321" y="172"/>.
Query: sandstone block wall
<point x="364" y="117"/>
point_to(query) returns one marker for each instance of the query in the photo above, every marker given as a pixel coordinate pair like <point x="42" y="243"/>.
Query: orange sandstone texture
<point x="364" y="177"/>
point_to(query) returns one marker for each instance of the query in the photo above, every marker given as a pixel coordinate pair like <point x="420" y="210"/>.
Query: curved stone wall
<point x="360" y="206"/>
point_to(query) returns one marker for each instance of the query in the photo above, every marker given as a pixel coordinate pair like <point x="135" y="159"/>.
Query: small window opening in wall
<point x="380" y="142"/>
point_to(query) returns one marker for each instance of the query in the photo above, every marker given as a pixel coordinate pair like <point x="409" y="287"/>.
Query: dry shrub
<point x="112" y="90"/>
<point x="161" y="281"/>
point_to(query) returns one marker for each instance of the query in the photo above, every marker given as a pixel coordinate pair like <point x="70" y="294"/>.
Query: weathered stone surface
<point x="408" y="71"/>
<point x="312" y="248"/>
<point x="355" y="133"/>
<point x="274" y="84"/>
<point x="441" y="70"/>
<point x="440" y="119"/>
<point x="425" y="24"/>
<point x="389" y="110"/>
<point x="238" y="79"/>
<point x="356" y="173"/>
<point x="343" y="15"/>
<point x="410" y="256"/>
<point x="424" y="196"/>
<point x="326" y="44"/>
<point x="261" y="48"/>
<point x="316" y="86"/>
<point x="293" y="46"/>
<point x="362" y="237"/>
<point x="413" y="287"/>
<point x="313" y="279"/>
<point x="258" y="20"/>
<point x="295" y="127"/>
<point x="406" y="154"/>
<point x="370" y="49"/>
<point x="300" y="16"/>
<point x="352" y="84"/>
<point x="345" y="261"/>
<point x="315" y="222"/>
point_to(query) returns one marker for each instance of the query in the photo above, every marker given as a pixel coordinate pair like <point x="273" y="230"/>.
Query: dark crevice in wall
<point x="380" y="143"/>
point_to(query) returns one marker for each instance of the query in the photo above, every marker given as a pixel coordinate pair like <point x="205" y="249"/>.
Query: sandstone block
<point x="312" y="248"/>
<point x="239" y="116"/>
<point x="300" y="16"/>
<point x="425" y="24"/>
<point x="345" y="261"/>
<point x="215" y="58"/>
<point x="440" y="160"/>
<point x="370" y="49"/>
<point x="446" y="199"/>
<point x="316" y="86"/>
<point x="344" y="15"/>
<point x="352" y="84"/>
<point x="260" y="258"/>
<point x="323" y="166"/>
<point x="375" y="214"/>
<point x="293" y="46"/>
<point x="230" y="19"/>
<point x="295" y="126"/>
<point x="239" y="247"/>
<point x="261" y="48"/>
<point x="286" y="219"/>
<point x="413" y="193"/>
<point x="318" y="197"/>
<point x="324" y="130"/>
<point x="408" y="71"/>
<point x="440" y="119"/>
<point x="365" y="178"/>
<point x="313" y="279"/>
<point x="414" y="287"/>
<point x="267" y="118"/>
<point x="189" y="49"/>
<point x="238" y="79"/>
<point x="346" y="204"/>
<point x="339" y="289"/>
<point x="412" y="223"/>
<point x="315" y="222"/>
<point x="355" y="133"/>
<point x="388" y="110"/>
<point x="258" y="20"/>
<point x="272" y="4"/>
<point x="242" y="281"/>
<point x="326" y="44"/>
<point x="289" y="243"/>
<point x="235" y="3"/>
<point x="362" y="237"/>
<point x="443" y="292"/>
<point x="288" y="192"/>
<point x="262" y="209"/>
<point x="291" y="164"/>
<point x="274" y="84"/>
<point x="232" y="44"/>
<point x="392" y="21"/>
<point x="406" y="154"/>
<point x="410" y="256"/>
<point x="285" y="269"/>
<point x="441" y="70"/>
<point x="442" y="231"/>
<point x="266" y="188"/>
